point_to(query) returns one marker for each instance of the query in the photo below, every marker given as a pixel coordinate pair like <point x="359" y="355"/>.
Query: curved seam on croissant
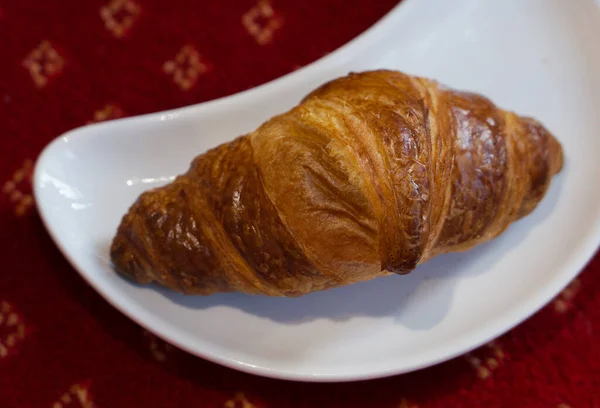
<point x="375" y="148"/>
<point x="426" y="222"/>
<point x="509" y="192"/>
<point x="371" y="171"/>
<point x="282" y="219"/>
<point x="434" y="95"/>
<point x="305" y="252"/>
<point x="238" y="263"/>
<point x="363" y="183"/>
<point x="431" y="95"/>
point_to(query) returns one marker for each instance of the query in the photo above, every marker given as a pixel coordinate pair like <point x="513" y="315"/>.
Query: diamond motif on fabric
<point x="119" y="16"/>
<point x="159" y="348"/>
<point x="186" y="67"/>
<point x="109" y="111"/>
<point x="261" y="22"/>
<point x="486" y="360"/>
<point x="12" y="330"/>
<point x="18" y="188"/>
<point x="78" y="396"/>
<point x="43" y="63"/>
<point x="564" y="300"/>
<point x="239" y="400"/>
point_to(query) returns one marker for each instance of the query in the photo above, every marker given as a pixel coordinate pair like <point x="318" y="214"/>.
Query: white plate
<point x="537" y="57"/>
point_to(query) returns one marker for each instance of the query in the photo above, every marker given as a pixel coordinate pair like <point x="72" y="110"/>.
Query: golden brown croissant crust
<point x="371" y="174"/>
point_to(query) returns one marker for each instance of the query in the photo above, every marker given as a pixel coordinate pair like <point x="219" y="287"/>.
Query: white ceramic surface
<point x="537" y="57"/>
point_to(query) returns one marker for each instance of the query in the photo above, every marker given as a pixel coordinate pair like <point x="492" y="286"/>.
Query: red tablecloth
<point x="69" y="62"/>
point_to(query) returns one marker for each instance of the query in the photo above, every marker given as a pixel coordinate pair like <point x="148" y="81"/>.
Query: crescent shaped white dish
<point x="536" y="57"/>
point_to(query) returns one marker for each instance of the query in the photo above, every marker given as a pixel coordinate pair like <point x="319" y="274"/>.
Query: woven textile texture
<point x="70" y="62"/>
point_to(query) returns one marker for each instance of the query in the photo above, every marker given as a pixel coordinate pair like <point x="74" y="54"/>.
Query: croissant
<point x="371" y="174"/>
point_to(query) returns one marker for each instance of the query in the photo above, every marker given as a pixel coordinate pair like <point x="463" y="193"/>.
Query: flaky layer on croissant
<point x="370" y="174"/>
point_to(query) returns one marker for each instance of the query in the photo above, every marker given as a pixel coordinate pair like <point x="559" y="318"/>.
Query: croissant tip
<point x="125" y="258"/>
<point x="555" y="149"/>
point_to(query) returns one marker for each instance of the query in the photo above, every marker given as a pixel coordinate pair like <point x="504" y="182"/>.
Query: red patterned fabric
<point x="69" y="62"/>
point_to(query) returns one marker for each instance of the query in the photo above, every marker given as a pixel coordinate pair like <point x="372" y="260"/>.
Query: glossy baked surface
<point x="372" y="173"/>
